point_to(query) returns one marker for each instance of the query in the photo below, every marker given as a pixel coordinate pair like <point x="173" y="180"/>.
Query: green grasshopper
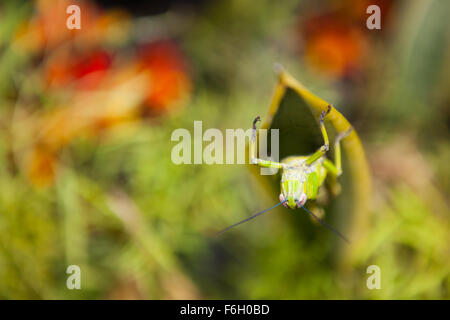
<point x="302" y="176"/>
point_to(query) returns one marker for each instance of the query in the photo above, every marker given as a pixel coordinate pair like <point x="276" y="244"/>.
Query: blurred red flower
<point x="87" y="69"/>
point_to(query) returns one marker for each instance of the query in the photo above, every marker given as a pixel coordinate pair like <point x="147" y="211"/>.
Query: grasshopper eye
<point x="301" y="202"/>
<point x="282" y="199"/>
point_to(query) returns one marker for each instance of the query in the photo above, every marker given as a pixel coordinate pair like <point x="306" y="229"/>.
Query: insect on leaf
<point x="295" y="111"/>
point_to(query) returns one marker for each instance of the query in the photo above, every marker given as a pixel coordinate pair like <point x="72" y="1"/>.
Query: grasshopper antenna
<point x="249" y="218"/>
<point x="326" y="224"/>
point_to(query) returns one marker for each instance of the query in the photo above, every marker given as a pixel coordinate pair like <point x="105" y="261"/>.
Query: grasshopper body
<point x="300" y="182"/>
<point x="303" y="175"/>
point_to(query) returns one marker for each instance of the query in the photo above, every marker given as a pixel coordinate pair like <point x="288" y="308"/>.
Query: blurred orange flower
<point x="333" y="44"/>
<point x="41" y="167"/>
<point x="101" y="86"/>
<point x="46" y="29"/>
<point x="337" y="41"/>
<point x="168" y="71"/>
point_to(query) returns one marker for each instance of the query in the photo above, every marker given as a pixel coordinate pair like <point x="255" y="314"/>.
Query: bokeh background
<point x="86" y="118"/>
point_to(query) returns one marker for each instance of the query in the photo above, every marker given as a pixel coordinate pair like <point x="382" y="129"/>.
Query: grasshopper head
<point x="293" y="202"/>
<point x="292" y="189"/>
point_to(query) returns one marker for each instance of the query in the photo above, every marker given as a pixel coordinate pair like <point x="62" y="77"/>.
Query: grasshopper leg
<point x="335" y="169"/>
<point x="255" y="160"/>
<point x="326" y="146"/>
<point x="337" y="150"/>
